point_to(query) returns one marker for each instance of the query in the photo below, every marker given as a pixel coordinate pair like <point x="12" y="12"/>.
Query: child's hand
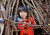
<point x="28" y="26"/>
<point x="36" y="27"/>
<point x="23" y="25"/>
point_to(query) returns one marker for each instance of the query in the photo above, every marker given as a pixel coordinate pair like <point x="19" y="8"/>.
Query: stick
<point x="33" y="18"/>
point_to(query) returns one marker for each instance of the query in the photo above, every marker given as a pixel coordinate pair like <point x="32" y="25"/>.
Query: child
<point x="23" y="13"/>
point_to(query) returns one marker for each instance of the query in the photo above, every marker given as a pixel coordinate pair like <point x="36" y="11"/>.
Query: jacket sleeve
<point x="32" y="23"/>
<point x="20" y="27"/>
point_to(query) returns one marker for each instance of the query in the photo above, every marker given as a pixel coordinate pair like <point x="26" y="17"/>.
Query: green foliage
<point x="1" y="0"/>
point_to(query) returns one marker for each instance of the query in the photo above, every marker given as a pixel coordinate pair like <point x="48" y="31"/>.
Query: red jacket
<point x="29" y="30"/>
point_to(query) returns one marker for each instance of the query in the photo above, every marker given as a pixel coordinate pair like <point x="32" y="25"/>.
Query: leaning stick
<point x="23" y="3"/>
<point x="33" y="18"/>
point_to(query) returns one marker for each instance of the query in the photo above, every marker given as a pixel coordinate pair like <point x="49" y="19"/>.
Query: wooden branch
<point x="12" y="8"/>
<point x="16" y="10"/>
<point x="23" y="3"/>
<point x="12" y="31"/>
<point x="33" y="18"/>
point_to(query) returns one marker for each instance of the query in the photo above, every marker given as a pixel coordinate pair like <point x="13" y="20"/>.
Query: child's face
<point x="23" y="14"/>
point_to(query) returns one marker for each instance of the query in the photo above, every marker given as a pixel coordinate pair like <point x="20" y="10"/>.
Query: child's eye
<point x="24" y="12"/>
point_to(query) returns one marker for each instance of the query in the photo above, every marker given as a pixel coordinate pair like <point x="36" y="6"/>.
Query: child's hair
<point x="23" y="8"/>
